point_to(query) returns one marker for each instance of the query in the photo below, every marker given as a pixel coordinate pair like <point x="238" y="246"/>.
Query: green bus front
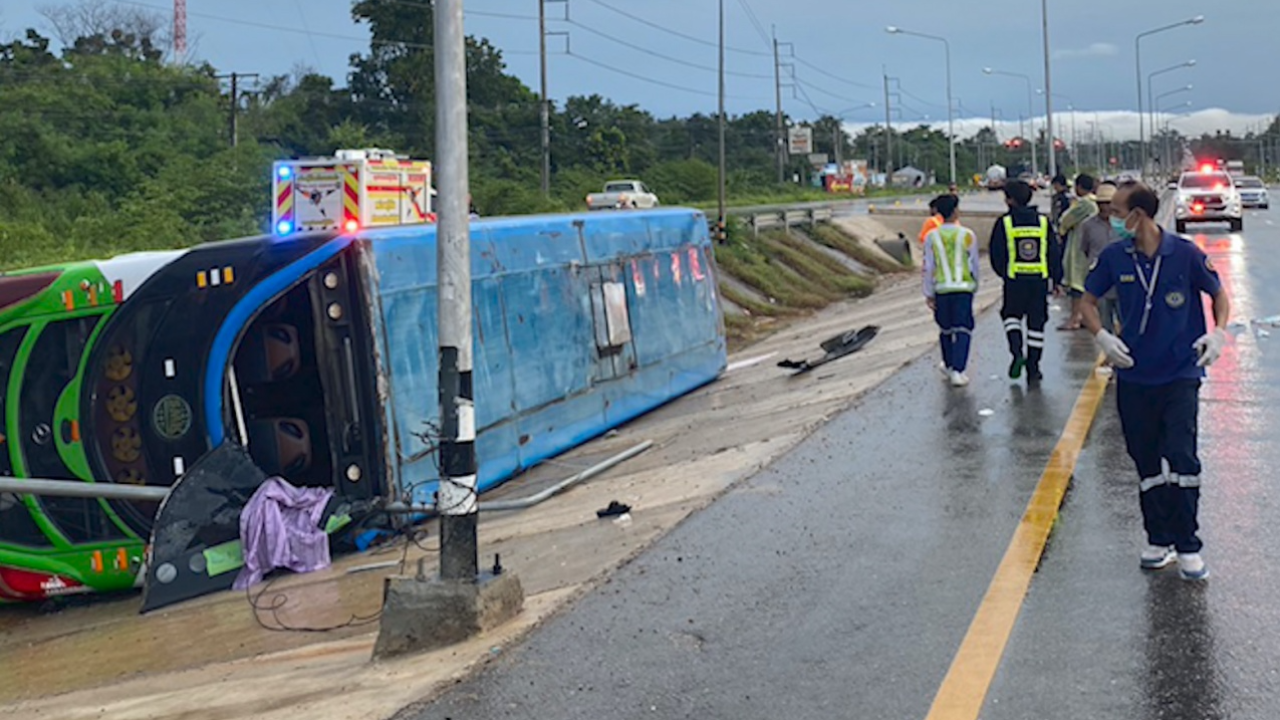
<point x="49" y="320"/>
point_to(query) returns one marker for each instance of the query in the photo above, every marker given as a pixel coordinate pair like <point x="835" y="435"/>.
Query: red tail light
<point x="27" y="585"/>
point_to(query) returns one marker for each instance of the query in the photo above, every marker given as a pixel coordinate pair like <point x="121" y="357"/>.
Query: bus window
<point x="277" y="373"/>
<point x="51" y="365"/>
<point x="16" y="524"/>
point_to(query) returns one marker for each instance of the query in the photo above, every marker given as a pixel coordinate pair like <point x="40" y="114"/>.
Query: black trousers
<point x="1025" y="312"/>
<point x="1160" y="424"/>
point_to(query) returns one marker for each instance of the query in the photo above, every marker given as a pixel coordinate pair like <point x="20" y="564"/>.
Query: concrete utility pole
<point x="544" y="110"/>
<point x="720" y="224"/>
<point x="419" y="615"/>
<point x="1048" y="90"/>
<point x="781" y="140"/>
<point x="888" y="129"/>
<point x="458" y="560"/>
<point x="233" y="120"/>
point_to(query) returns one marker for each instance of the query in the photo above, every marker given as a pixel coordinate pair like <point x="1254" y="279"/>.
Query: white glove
<point x="1209" y="347"/>
<point x="1114" y="348"/>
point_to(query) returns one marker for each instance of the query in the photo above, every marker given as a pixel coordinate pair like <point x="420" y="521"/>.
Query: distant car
<point x="1253" y="192"/>
<point x="622" y="195"/>
<point x="1208" y="196"/>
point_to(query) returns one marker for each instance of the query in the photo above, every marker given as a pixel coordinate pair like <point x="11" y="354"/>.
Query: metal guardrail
<point x="787" y="218"/>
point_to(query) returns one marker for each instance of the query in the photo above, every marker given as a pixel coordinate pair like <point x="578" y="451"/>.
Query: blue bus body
<point x="547" y="375"/>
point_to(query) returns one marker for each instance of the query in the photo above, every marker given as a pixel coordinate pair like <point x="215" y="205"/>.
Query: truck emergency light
<point x="1207" y="168"/>
<point x="284" y="227"/>
<point x="284" y="172"/>
<point x="351" y="226"/>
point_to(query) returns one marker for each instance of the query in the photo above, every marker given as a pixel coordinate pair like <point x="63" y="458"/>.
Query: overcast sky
<point x="839" y="49"/>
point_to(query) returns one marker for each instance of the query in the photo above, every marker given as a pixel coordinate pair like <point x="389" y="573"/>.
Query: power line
<point x="751" y="15"/>
<point x="831" y="75"/>
<point x="828" y="93"/>
<point x="677" y="33"/>
<point x="659" y="55"/>
<point x="645" y="78"/>
<point x="919" y="99"/>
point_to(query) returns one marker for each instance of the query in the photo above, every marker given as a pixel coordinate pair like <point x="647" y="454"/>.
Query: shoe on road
<point x="1155" y="557"/>
<point x="959" y="379"/>
<point x="1191" y="566"/>
<point x="1033" y="374"/>
<point x="1015" y="367"/>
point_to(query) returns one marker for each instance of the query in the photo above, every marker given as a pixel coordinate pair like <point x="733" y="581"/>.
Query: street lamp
<point x="1151" y="119"/>
<point x="1175" y="91"/>
<point x="1031" y="111"/>
<point x="892" y="30"/>
<point x="1168" y="141"/>
<point x="1137" y="60"/>
<point x="1070" y="107"/>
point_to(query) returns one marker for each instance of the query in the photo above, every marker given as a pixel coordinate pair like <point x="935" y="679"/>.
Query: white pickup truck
<point x="622" y="195"/>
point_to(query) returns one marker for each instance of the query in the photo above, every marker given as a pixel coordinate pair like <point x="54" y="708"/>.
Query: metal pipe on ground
<point x="79" y="489"/>
<point x="536" y="498"/>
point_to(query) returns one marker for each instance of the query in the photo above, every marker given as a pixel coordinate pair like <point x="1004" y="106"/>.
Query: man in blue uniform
<point x="1159" y="359"/>
<point x="950" y="280"/>
<point x="1022" y="253"/>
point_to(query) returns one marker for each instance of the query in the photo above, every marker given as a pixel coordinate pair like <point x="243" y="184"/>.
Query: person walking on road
<point x="1095" y="236"/>
<point x="950" y="280"/>
<point x="1061" y="198"/>
<point x="1074" y="265"/>
<point x="1160" y="357"/>
<point x="1021" y="254"/>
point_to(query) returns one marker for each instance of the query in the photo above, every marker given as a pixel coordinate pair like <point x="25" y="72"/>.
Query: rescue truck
<point x="351" y="191"/>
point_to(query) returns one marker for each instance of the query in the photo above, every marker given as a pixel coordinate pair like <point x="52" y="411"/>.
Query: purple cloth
<point x="280" y="528"/>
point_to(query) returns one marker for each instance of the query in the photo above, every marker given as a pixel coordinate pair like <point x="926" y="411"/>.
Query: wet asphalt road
<point x="840" y="581"/>
<point x="1098" y="638"/>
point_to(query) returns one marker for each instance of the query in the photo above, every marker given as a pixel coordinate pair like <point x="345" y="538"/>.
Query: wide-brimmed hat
<point x="1105" y="193"/>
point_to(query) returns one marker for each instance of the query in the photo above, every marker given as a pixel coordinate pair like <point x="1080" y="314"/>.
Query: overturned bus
<point x="316" y="354"/>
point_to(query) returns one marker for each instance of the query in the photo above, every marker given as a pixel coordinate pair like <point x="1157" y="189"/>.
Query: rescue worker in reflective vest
<point x="1022" y="253"/>
<point x="1159" y="357"/>
<point x="950" y="280"/>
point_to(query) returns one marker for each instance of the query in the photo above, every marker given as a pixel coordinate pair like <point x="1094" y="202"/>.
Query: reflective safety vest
<point x="1028" y="248"/>
<point x="951" y="270"/>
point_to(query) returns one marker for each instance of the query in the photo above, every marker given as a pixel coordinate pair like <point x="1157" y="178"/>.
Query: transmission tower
<point x="179" y="29"/>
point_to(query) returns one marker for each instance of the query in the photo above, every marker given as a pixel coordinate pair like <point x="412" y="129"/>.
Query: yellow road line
<point x="965" y="687"/>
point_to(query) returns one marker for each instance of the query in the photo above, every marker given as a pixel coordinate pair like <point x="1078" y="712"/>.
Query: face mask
<point x="1120" y="228"/>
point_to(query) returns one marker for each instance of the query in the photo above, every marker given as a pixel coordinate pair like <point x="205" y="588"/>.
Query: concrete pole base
<point x="422" y="615"/>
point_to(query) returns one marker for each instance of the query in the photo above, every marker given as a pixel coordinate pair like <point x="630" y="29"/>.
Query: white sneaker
<point x="1191" y="566"/>
<point x="959" y="379"/>
<point x="1155" y="557"/>
<point x="942" y="368"/>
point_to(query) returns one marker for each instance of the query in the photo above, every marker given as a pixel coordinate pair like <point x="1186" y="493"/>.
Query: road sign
<point x="799" y="140"/>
